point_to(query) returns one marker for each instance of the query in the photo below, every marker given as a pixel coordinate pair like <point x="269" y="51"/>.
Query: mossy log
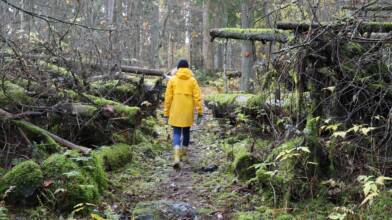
<point x="251" y="34"/>
<point x="372" y="27"/>
<point x="225" y="105"/>
<point x="71" y="63"/>
<point x="297" y="27"/>
<point x="232" y="74"/>
<point x="51" y="138"/>
<point x="130" y="89"/>
<point x="370" y="8"/>
<point x="11" y="93"/>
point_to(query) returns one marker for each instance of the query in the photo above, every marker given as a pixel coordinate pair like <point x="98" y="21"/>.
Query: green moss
<point x="115" y="86"/>
<point x="76" y="179"/>
<point x="237" y="99"/>
<point x="248" y="216"/>
<point x="26" y="177"/>
<point x="115" y="156"/>
<point x="288" y="145"/>
<point x="222" y="99"/>
<point x="256" y="101"/>
<point x="376" y="26"/>
<point x="352" y="49"/>
<point x="58" y="70"/>
<point x="11" y="93"/>
<point x="49" y="145"/>
<point x="149" y="126"/>
<point x="243" y="163"/>
<point x="131" y="112"/>
<point x="3" y="213"/>
<point x="381" y="207"/>
<point x="84" y="110"/>
<point x="138" y="137"/>
<point x="93" y="166"/>
<point x="152" y="82"/>
<point x="256" y="31"/>
<point x="285" y="217"/>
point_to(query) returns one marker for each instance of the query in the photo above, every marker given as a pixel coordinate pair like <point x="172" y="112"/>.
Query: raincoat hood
<point x="184" y="73"/>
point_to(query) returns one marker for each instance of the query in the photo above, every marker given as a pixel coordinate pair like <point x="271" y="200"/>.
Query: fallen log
<point x="233" y="74"/>
<point x="263" y="35"/>
<point x="372" y="27"/>
<point x="297" y="27"/>
<point x="69" y="62"/>
<point x="225" y="105"/>
<point x="370" y="8"/>
<point x="144" y="71"/>
<point x="40" y="131"/>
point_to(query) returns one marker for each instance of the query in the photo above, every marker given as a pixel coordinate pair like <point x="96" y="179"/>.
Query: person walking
<point x="182" y="98"/>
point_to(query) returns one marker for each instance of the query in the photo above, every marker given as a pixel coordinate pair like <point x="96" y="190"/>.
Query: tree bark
<point x="208" y="59"/>
<point x="247" y="50"/>
<point x="154" y="33"/>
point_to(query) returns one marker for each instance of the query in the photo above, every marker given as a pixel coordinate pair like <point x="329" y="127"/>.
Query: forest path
<point x="203" y="183"/>
<point x="187" y="184"/>
<point x="199" y="182"/>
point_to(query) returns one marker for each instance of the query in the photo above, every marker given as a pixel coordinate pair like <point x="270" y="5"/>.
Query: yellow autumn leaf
<point x="341" y="134"/>
<point x="381" y="179"/>
<point x="96" y="216"/>
<point x="365" y="131"/>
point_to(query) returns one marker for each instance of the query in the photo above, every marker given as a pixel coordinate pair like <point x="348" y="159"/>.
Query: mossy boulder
<point x="115" y="156"/>
<point x="25" y="179"/>
<point x="242" y="165"/>
<point x="75" y="179"/>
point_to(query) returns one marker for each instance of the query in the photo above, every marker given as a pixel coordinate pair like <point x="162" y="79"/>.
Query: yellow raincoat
<point x="182" y="97"/>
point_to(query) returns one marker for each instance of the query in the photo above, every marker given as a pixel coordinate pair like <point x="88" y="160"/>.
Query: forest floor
<point x="204" y="183"/>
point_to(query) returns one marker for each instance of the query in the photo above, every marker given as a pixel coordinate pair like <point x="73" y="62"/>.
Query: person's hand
<point x="199" y="118"/>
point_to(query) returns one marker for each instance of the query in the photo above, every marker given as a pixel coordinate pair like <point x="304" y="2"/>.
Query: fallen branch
<point x="40" y="131"/>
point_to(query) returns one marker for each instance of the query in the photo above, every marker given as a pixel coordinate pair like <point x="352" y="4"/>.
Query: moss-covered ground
<point x="219" y="179"/>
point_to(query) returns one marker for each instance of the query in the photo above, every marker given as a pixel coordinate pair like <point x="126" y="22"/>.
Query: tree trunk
<point x="110" y="11"/>
<point x="208" y="59"/>
<point x="247" y="50"/>
<point x="170" y="51"/>
<point x="154" y="33"/>
<point x="188" y="33"/>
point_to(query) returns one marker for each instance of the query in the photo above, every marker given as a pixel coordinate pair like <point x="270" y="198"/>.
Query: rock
<point x="163" y="209"/>
<point x="210" y="168"/>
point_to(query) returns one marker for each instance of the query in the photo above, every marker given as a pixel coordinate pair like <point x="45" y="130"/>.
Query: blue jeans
<point x="181" y="134"/>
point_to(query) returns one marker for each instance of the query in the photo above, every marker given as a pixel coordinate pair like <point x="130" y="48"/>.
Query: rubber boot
<point x="184" y="154"/>
<point x="177" y="157"/>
